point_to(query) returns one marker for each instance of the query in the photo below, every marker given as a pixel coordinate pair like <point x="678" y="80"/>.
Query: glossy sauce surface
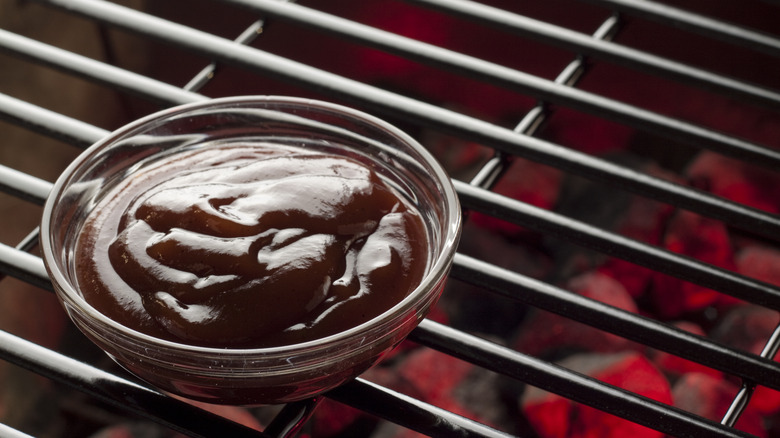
<point x="248" y="246"/>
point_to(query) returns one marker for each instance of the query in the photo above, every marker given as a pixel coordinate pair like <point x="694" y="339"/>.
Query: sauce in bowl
<point x="250" y="250"/>
<point x="250" y="246"/>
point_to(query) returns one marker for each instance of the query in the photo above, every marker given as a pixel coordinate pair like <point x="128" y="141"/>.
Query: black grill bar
<point x="618" y="246"/>
<point x="523" y="82"/>
<point x="581" y="43"/>
<point x="118" y="391"/>
<point x="93" y="70"/>
<point x="423" y="418"/>
<point x="696" y="23"/>
<point x="737" y="215"/>
<point x="565" y="382"/>
<point x="23" y="186"/>
<point x="292" y="417"/>
<point x="631" y="326"/>
<point x="24" y="266"/>
<point x="739" y="404"/>
<point x="49" y="123"/>
<point x="9" y="432"/>
<point x="748" y="385"/>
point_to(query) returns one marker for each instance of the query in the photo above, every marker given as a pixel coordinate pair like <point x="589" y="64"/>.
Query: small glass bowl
<point x="263" y="375"/>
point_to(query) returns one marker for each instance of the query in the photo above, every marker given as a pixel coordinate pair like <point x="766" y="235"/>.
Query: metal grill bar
<point x="742" y="398"/>
<point x="9" y="432"/>
<point x="631" y="326"/>
<point x="30" y="241"/>
<point x="523" y="82"/>
<point x="622" y="55"/>
<point x="118" y="391"/>
<point x="292" y="418"/>
<point x="24" y="186"/>
<point x="93" y="70"/>
<point x="208" y="72"/>
<point x="732" y="213"/>
<point x="615" y="245"/>
<point x="567" y="383"/>
<point x="696" y="23"/>
<point x="49" y="123"/>
<point x="423" y="418"/>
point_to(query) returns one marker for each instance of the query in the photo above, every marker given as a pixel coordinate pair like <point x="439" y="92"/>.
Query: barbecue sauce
<point x="248" y="246"/>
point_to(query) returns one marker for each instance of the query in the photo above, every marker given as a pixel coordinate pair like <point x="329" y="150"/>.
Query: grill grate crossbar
<point x="49" y="123"/>
<point x="204" y="76"/>
<point x="491" y="171"/>
<point x="712" y="28"/>
<point x="742" y="398"/>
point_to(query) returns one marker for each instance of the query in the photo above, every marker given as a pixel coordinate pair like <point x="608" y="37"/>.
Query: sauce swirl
<point x="248" y="246"/>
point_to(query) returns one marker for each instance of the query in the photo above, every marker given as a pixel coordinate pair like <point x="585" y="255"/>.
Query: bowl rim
<point x="438" y="270"/>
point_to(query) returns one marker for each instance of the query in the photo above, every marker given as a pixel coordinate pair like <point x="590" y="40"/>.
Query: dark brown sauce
<point x="250" y="246"/>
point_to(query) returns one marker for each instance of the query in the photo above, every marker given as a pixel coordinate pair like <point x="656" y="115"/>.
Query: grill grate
<point x="524" y="140"/>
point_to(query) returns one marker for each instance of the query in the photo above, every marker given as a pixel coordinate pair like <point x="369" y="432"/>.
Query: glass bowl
<point x="252" y="376"/>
